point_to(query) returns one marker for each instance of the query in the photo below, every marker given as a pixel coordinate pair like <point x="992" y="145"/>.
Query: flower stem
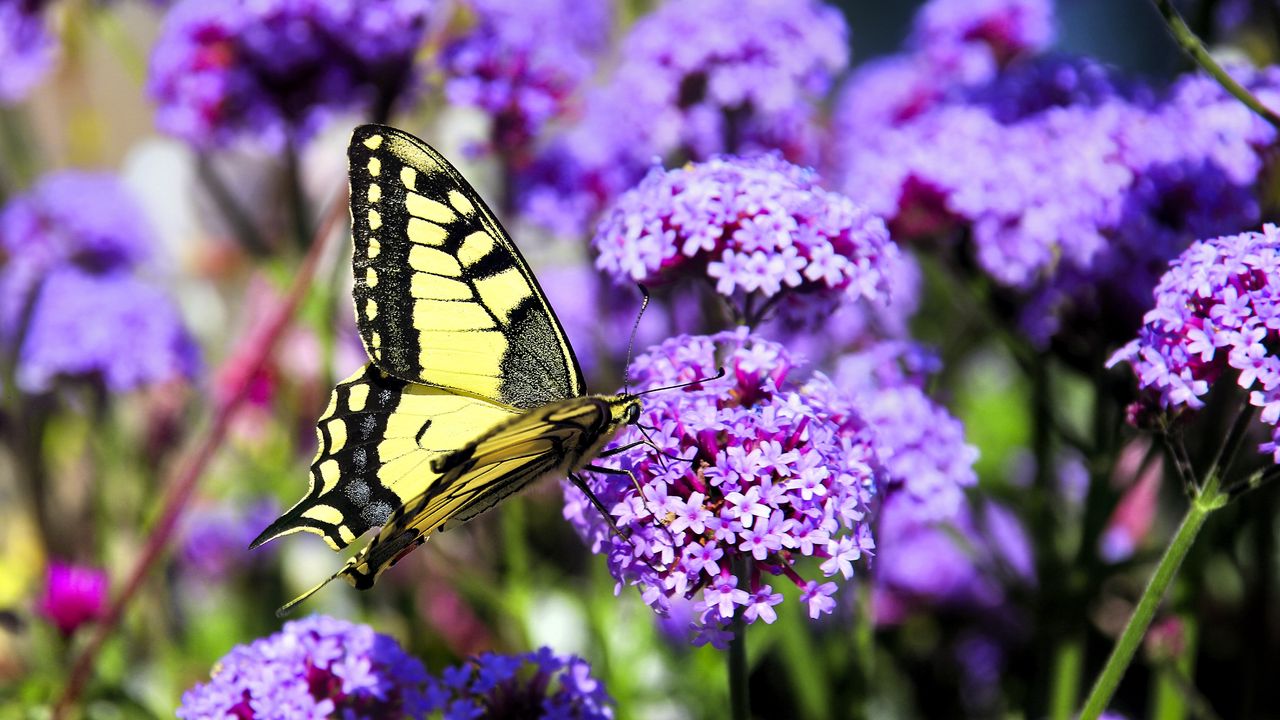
<point x="739" y="698"/>
<point x="1064" y="692"/>
<point x="1193" y="47"/>
<point x="1209" y="498"/>
<point x="182" y="483"/>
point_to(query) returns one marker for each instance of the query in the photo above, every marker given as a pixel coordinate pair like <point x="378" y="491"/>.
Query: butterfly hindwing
<point x="442" y="295"/>
<point x="474" y="478"/>
<point x="376" y="444"/>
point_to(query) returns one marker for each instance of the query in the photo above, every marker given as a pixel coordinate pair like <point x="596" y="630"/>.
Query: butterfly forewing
<point x="442" y="295"/>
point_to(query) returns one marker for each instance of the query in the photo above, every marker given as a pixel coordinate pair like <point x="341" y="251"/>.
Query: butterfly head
<point x="625" y="409"/>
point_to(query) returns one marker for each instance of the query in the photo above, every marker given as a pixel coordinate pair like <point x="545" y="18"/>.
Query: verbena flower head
<point x="758" y="228"/>
<point x="27" y="48"/>
<point x="538" y="684"/>
<point x="272" y="71"/>
<point x="1216" y="320"/>
<point x="522" y="62"/>
<point x="1007" y="28"/>
<point x="71" y="291"/>
<point x="753" y="467"/>
<point x="1072" y="208"/>
<point x="726" y="74"/>
<point x="315" y="667"/>
<point x="73" y="595"/>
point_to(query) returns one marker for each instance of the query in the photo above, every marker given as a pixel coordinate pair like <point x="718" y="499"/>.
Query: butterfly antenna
<point x="719" y="374"/>
<point x="631" y="343"/>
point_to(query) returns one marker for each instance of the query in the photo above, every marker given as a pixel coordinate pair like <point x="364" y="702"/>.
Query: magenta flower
<point x="754" y="466"/>
<point x="73" y="595"/>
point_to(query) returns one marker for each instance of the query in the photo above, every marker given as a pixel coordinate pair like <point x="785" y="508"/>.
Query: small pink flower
<point x="73" y="595"/>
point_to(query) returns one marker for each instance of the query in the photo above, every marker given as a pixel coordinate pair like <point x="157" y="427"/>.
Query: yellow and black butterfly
<point x="472" y="390"/>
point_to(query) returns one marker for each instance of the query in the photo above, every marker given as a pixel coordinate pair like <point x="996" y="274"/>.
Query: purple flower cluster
<point x="315" y="667"/>
<point x="522" y="62"/>
<point x="695" y="79"/>
<point x="533" y="685"/>
<point x="1074" y="187"/>
<point x="1216" y="316"/>
<point x="1005" y="28"/>
<point x="27" y="48"/>
<point x="73" y="595"/>
<point x="274" y="71"/>
<point x="757" y="228"/>
<point x="70" y="292"/>
<point x="718" y="74"/>
<point x="748" y="469"/>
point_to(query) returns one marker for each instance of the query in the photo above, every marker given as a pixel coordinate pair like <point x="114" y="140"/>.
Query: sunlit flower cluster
<point x="757" y="229"/>
<point x="751" y="469"/>
<point x="1216" y="319"/>
<point x="315" y="667"/>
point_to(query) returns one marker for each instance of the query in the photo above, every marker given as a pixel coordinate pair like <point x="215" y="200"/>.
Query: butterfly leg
<point x="581" y="484"/>
<point x="639" y="490"/>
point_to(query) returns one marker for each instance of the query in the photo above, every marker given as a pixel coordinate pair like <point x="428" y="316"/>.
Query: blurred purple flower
<point x="927" y="462"/>
<point x="523" y="61"/>
<point x="114" y="327"/>
<point x="695" y="79"/>
<point x="315" y="667"/>
<point x="1216" y="319"/>
<point x="70" y="294"/>
<point x="719" y="74"/>
<point x="537" y="684"/>
<point x="27" y="48"/>
<point x="1006" y="28"/>
<point x="214" y="538"/>
<point x="73" y="595"/>
<point x="274" y="71"/>
<point x="966" y="560"/>
<point x="759" y="229"/>
<point x="1076" y="207"/>
<point x="775" y="471"/>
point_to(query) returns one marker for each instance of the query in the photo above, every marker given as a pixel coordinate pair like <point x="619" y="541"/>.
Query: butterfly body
<point x="472" y="391"/>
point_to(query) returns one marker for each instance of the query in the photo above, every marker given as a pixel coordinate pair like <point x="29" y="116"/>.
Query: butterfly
<point x="471" y="392"/>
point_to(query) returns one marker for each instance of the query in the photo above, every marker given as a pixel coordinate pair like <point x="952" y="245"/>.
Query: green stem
<point x="1209" y="499"/>
<point x="1193" y="47"/>
<point x="739" y="698"/>
<point x="1064" y="693"/>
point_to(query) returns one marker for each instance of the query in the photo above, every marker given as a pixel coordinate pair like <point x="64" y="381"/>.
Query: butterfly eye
<point x="632" y="414"/>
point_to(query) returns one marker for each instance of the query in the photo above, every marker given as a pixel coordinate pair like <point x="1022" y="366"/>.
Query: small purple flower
<point x="73" y="595"/>
<point x="537" y="684"/>
<point x="71" y="294"/>
<point x="1216" y="319"/>
<point x="315" y="667"/>
<point x="27" y="48"/>
<point x="756" y="229"/>
<point x="522" y="63"/>
<point x="751" y="466"/>
<point x="274" y="71"/>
